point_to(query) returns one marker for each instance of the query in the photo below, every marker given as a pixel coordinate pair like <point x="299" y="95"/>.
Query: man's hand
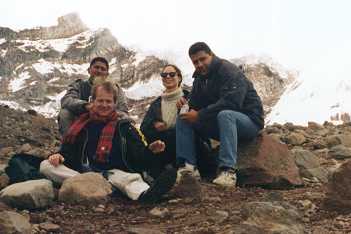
<point x="160" y="126"/>
<point x="181" y="102"/>
<point x="191" y="117"/>
<point x="56" y="159"/>
<point x="157" y="146"/>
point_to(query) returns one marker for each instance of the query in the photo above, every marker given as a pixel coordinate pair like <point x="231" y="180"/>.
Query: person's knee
<point x="45" y="167"/>
<point x="226" y="115"/>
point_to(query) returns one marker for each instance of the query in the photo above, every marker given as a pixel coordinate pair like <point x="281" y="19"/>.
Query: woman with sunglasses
<point x="159" y="121"/>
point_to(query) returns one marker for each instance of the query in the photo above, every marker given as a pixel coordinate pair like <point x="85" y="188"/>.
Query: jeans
<point x="229" y="127"/>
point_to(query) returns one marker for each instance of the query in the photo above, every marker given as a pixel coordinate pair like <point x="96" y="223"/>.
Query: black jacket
<point x="135" y="155"/>
<point x="152" y="115"/>
<point x="225" y="87"/>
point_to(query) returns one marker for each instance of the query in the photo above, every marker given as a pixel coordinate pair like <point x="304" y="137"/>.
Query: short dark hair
<point x="177" y="70"/>
<point x="199" y="46"/>
<point x="99" y="59"/>
<point x="108" y="87"/>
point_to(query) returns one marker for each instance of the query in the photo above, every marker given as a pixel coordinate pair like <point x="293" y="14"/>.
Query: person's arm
<point x="232" y="95"/>
<point x="148" y="124"/>
<point x="71" y="101"/>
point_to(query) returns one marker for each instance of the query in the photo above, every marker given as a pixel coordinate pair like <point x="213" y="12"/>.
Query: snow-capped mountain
<point x="36" y="65"/>
<point x="318" y="95"/>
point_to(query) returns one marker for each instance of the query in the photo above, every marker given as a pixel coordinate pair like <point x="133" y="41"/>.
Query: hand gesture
<point x="157" y="146"/>
<point x="56" y="159"/>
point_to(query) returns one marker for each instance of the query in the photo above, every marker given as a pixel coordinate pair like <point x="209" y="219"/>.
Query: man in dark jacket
<point x="76" y="100"/>
<point x="101" y="141"/>
<point x="224" y="105"/>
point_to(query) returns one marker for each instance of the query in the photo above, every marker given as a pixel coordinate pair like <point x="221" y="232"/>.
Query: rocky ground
<point x="315" y="199"/>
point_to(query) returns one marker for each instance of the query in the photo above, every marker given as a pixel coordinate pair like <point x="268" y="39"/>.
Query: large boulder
<point x="268" y="163"/>
<point x="340" y="152"/>
<point x="276" y="217"/>
<point x="85" y="188"/>
<point x="12" y="222"/>
<point x="31" y="194"/>
<point x="339" y="188"/>
<point x="309" y="166"/>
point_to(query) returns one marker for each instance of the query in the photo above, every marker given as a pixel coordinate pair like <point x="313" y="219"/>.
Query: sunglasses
<point x="165" y="74"/>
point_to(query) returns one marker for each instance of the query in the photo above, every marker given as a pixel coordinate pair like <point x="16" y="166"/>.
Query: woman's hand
<point x="56" y="159"/>
<point x="160" y="126"/>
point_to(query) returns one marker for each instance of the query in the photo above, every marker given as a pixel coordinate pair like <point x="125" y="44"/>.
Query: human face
<point x="170" y="83"/>
<point x="103" y="104"/>
<point x="201" y="61"/>
<point x="98" y="69"/>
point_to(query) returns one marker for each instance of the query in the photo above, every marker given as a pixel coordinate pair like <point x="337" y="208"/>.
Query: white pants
<point x="131" y="184"/>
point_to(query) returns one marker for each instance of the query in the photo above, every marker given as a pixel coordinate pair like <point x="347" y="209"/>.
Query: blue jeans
<point x="229" y="127"/>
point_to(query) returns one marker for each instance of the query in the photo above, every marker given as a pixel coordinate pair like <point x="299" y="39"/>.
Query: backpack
<point x="23" y="167"/>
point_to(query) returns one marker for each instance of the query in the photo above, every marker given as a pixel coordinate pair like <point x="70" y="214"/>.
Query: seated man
<point x="101" y="141"/>
<point x="224" y="105"/>
<point x="76" y="100"/>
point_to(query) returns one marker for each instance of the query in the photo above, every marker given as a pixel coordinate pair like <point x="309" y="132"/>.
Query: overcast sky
<point x="299" y="34"/>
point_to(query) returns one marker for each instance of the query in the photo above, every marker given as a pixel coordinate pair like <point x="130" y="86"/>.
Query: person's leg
<point x="65" y="119"/>
<point x="232" y="127"/>
<point x="131" y="184"/>
<point x="185" y="143"/>
<point x="56" y="174"/>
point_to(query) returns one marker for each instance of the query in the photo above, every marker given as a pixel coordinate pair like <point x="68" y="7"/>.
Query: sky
<point x="303" y="35"/>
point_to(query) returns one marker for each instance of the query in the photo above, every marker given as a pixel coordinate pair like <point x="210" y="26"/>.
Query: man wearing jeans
<point x="224" y="105"/>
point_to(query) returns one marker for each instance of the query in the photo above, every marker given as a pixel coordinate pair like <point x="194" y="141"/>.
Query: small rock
<point x="143" y="230"/>
<point x="219" y="216"/>
<point x="85" y="188"/>
<point x="213" y="199"/>
<point x="12" y="222"/>
<point x="2" y="168"/>
<point x="6" y="151"/>
<point x="159" y="212"/>
<point x="31" y="194"/>
<point x="340" y="152"/>
<point x="295" y="139"/>
<point x="174" y="201"/>
<point x="49" y="227"/>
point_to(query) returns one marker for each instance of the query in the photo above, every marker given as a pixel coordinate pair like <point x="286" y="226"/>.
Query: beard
<point x="101" y="79"/>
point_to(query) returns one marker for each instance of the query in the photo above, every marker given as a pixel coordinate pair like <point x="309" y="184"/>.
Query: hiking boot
<point x="187" y="185"/>
<point x="160" y="186"/>
<point x="189" y="170"/>
<point x="226" y="178"/>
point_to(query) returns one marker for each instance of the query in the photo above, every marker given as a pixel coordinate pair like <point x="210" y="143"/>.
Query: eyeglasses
<point x="165" y="74"/>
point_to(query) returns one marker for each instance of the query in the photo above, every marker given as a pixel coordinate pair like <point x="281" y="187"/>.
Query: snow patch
<point x="140" y="90"/>
<point x="51" y="108"/>
<point x="12" y="105"/>
<point x="3" y="53"/>
<point x="2" y="40"/>
<point x="18" y="83"/>
<point x="45" y="67"/>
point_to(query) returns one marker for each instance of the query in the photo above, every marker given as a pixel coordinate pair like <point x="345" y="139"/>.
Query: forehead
<point x="99" y="64"/>
<point x="102" y="93"/>
<point x="169" y="69"/>
<point x="199" y="54"/>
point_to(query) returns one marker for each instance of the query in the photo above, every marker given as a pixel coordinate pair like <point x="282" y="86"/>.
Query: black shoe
<point x="159" y="187"/>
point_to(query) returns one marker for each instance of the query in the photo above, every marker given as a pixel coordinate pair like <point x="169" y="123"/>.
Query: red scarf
<point x="105" y="140"/>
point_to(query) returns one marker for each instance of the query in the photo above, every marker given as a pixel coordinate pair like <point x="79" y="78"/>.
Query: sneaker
<point x="160" y="186"/>
<point x="187" y="185"/>
<point x="226" y="178"/>
<point x="189" y="170"/>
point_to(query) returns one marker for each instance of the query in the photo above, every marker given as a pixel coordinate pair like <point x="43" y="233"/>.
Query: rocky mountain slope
<point x="36" y="65"/>
<point x="317" y="150"/>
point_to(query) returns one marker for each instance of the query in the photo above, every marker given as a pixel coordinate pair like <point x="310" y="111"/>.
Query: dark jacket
<point x="135" y="155"/>
<point x="152" y="115"/>
<point x="225" y="87"/>
<point x="78" y="94"/>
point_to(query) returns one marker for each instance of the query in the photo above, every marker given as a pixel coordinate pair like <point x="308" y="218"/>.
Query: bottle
<point x="184" y="109"/>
